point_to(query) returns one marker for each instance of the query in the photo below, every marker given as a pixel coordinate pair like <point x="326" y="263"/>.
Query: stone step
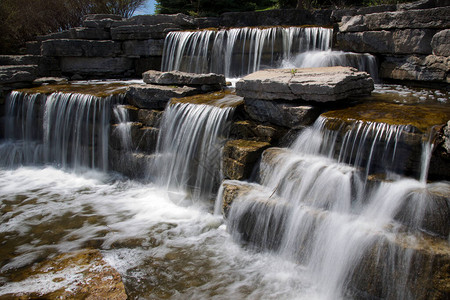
<point x="429" y="203"/>
<point x="387" y="263"/>
<point x="309" y="84"/>
<point x="18" y="74"/>
<point x="240" y="156"/>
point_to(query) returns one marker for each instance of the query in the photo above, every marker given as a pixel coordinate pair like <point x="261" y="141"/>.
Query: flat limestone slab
<point x="182" y="78"/>
<point x="152" y="96"/>
<point x="310" y="84"/>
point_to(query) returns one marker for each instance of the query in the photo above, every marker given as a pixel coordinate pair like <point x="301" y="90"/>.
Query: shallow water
<point x="163" y="245"/>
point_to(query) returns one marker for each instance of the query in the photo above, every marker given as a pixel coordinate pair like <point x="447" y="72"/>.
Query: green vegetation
<point x="200" y="8"/>
<point x="22" y="20"/>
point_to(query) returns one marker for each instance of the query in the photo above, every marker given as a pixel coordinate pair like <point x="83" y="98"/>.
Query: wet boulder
<point x="150" y="117"/>
<point x="232" y="190"/>
<point x="310" y="84"/>
<point x="249" y="130"/>
<point x="240" y="156"/>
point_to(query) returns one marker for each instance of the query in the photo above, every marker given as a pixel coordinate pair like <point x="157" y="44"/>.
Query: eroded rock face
<point x="182" y="78"/>
<point x="150" y="118"/>
<point x="310" y="84"/>
<point x="97" y="66"/>
<point x="441" y="43"/>
<point x="416" y="67"/>
<point x="77" y="275"/>
<point x="406" y="41"/>
<point x="88" y="48"/>
<point x="142" y="32"/>
<point x="150" y="47"/>
<point x="419" y="18"/>
<point x="18" y="73"/>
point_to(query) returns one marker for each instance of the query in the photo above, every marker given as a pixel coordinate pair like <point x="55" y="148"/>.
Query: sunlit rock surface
<point x="310" y="84"/>
<point x="416" y="67"/>
<point x="182" y="78"/>
<point x="77" y="275"/>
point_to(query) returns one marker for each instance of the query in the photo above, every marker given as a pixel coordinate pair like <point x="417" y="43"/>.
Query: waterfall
<point x="317" y="205"/>
<point x="239" y="51"/>
<point x="189" y="147"/>
<point x="68" y="130"/>
<point x="328" y="58"/>
<point x="123" y="126"/>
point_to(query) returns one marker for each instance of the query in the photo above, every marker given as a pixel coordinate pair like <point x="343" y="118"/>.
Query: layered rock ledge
<point x="310" y="84"/>
<point x="160" y="87"/>
<point x="182" y="78"/>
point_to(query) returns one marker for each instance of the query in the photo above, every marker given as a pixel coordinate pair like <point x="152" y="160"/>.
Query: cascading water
<point x="189" y="148"/>
<point x="318" y="207"/>
<point x="68" y="130"/>
<point x="123" y="126"/>
<point x="239" y="51"/>
<point x="315" y="59"/>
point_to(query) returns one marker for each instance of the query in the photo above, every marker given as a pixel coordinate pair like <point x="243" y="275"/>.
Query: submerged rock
<point x="77" y="275"/>
<point x="310" y="84"/>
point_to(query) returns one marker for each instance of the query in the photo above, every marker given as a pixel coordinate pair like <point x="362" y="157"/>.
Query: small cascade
<point x="319" y="205"/>
<point x="328" y="58"/>
<point x="375" y="147"/>
<point x="189" y="147"/>
<point x="123" y="126"/>
<point x="69" y="130"/>
<point x="239" y="51"/>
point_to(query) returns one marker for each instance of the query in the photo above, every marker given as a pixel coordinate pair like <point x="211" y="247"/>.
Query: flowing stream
<point x="239" y="51"/>
<point x="339" y="214"/>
